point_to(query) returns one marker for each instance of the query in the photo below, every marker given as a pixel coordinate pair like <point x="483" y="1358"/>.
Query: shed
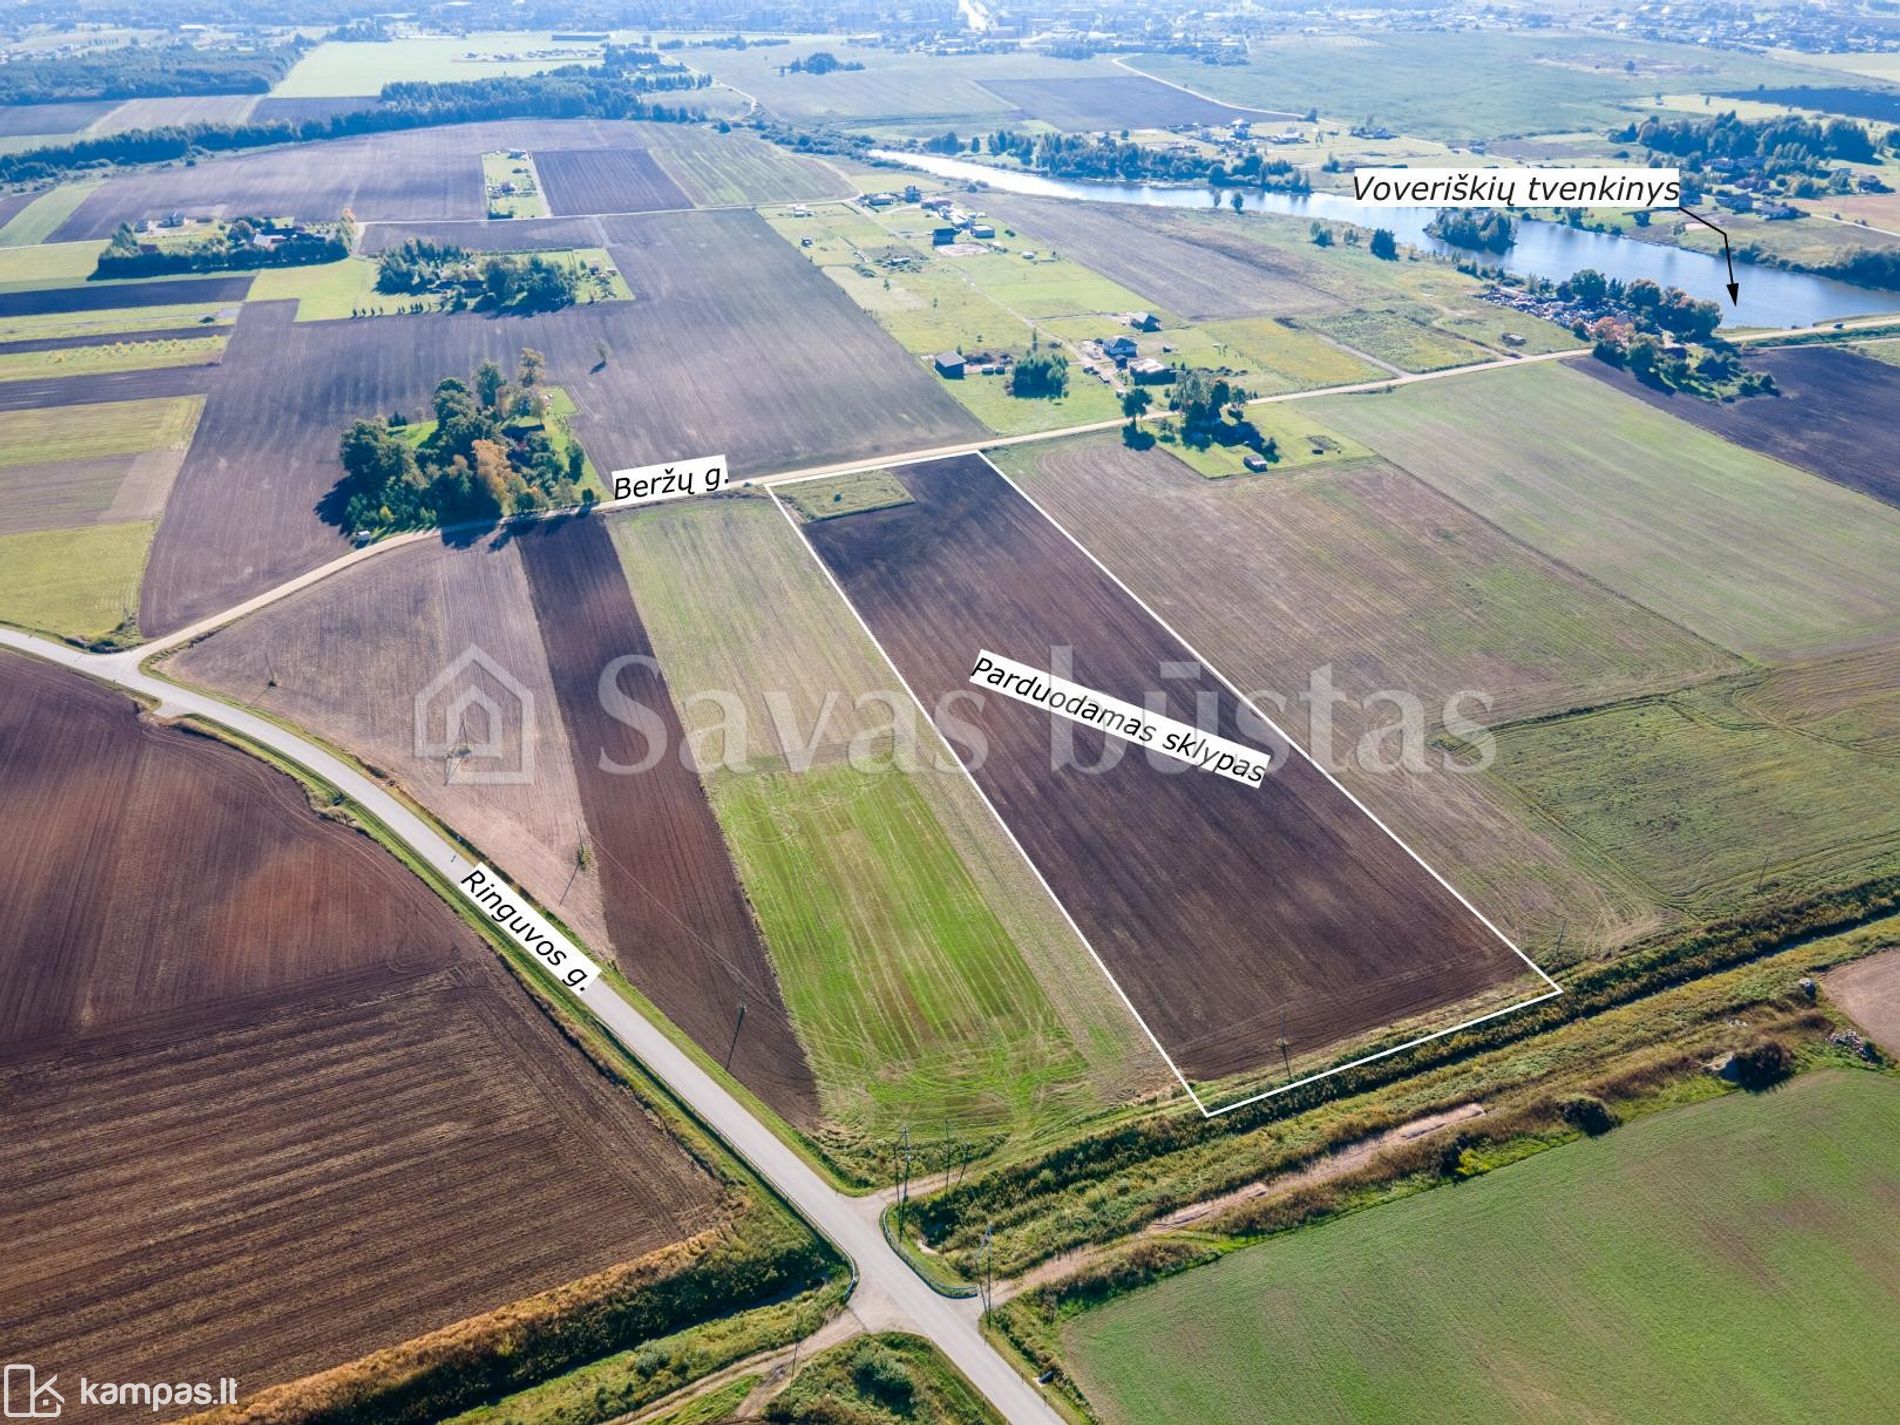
<point x="1145" y="322"/>
<point x="1149" y="371"/>
<point x="950" y="364"/>
<point x="942" y="237"/>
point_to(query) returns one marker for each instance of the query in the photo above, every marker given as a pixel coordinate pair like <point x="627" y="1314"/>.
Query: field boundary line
<point x="1246" y="702"/>
<point x="1034" y="870"/>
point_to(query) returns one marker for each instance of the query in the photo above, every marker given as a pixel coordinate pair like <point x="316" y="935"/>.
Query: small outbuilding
<point x="1145" y="322"/>
<point x="942" y="237"/>
<point x="949" y="364"/>
<point x="1150" y="372"/>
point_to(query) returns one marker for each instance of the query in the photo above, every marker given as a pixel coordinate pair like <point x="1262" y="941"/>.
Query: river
<point x="1769" y="297"/>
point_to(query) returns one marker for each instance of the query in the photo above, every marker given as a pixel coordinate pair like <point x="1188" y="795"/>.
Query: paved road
<point x="889" y="1297"/>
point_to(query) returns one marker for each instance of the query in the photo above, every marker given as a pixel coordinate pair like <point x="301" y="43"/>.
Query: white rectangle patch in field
<point x="1517" y="187"/>
<point x="1233" y="760"/>
<point x="507" y="909"/>
<point x="676" y="480"/>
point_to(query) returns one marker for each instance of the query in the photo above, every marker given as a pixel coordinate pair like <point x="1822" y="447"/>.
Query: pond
<point x="1769" y="297"/>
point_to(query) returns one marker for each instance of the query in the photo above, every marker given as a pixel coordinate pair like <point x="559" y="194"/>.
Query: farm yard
<point x="256" y="1007"/>
<point x="1649" y="1274"/>
<point x="675" y="912"/>
<point x="1225" y="954"/>
<point x="1821" y="421"/>
<point x="928" y="975"/>
<point x="1746" y="552"/>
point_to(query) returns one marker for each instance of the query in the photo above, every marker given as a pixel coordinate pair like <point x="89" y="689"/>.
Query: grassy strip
<point x="713" y="1407"/>
<point x="944" y="1283"/>
<point x="633" y="1379"/>
<point x="886" y="1379"/>
<point x="1111" y="1182"/>
<point x="762" y="1254"/>
<point x="846" y="494"/>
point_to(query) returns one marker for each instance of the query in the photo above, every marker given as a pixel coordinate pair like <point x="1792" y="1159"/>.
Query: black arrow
<point x="1734" y="287"/>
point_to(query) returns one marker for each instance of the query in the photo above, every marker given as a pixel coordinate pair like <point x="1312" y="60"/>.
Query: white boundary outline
<point x="1206" y="1112"/>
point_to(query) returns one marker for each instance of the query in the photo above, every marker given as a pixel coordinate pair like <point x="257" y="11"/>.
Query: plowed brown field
<point x="681" y="928"/>
<point x="269" y="1104"/>
<point x="1229" y="915"/>
<point x="606" y="180"/>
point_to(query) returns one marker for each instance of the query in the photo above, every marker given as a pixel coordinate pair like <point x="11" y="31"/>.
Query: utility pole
<point x="733" y="1047"/>
<point x="1285" y="1058"/>
<point x="983" y="1280"/>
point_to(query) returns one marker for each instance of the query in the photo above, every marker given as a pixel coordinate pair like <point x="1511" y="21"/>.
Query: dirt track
<point x="287" y="1084"/>
<point x="1224" y="912"/>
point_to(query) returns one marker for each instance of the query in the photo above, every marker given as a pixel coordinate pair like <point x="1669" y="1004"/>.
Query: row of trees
<point x="1789" y="143"/>
<point x="570" y="92"/>
<point x="142" y="71"/>
<point x="490" y="454"/>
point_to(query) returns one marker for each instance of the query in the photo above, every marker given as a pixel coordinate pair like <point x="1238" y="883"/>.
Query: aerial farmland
<point x="906" y="717"/>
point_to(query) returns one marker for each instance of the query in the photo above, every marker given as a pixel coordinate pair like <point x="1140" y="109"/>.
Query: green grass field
<point x="339" y="68"/>
<point x="1732" y="1260"/>
<point x="36" y="221"/>
<point x="79" y="583"/>
<point x="1401" y="335"/>
<point x="1506" y="83"/>
<point x="735" y="168"/>
<point x="32" y="437"/>
<point x="851" y="494"/>
<point x="1300" y="443"/>
<point x="929" y="977"/>
<point x="1702" y="798"/>
<point x="55" y="264"/>
<point x="119" y="356"/>
<point x="1749" y="553"/>
<point x="118" y="321"/>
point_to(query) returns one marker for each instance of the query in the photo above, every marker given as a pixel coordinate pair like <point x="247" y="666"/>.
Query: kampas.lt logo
<point x="27" y="1397"/>
<point x="478" y="719"/>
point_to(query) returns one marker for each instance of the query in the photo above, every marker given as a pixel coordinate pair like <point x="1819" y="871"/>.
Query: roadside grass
<point x="846" y="494"/>
<point x="633" y="1379"/>
<point x="528" y="201"/>
<point x="36" y="222"/>
<point x="47" y="433"/>
<point x="128" y="321"/>
<point x="1747" y="552"/>
<point x="716" y="1407"/>
<point x="1643" y="1274"/>
<point x="61" y="264"/>
<point x="80" y="583"/>
<point x="119" y="356"/>
<point x="882" y="1379"/>
<point x="1701" y="798"/>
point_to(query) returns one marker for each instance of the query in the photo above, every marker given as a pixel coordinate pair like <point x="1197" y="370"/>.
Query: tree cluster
<point x="1481" y="229"/>
<point x="1779" y="148"/>
<point x="521" y="282"/>
<point x="1646" y="306"/>
<point x="489" y="455"/>
<point x="820" y="62"/>
<point x="1042" y="372"/>
<point x="1101" y="156"/>
<point x="140" y="71"/>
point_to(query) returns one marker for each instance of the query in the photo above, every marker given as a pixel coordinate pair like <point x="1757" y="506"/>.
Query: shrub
<point x="1587" y="1113"/>
<point x="1762" y="1065"/>
<point x="881" y="1376"/>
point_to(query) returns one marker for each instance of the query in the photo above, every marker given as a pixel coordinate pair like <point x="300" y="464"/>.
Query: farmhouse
<point x="949" y="364"/>
<point x="1120" y="349"/>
